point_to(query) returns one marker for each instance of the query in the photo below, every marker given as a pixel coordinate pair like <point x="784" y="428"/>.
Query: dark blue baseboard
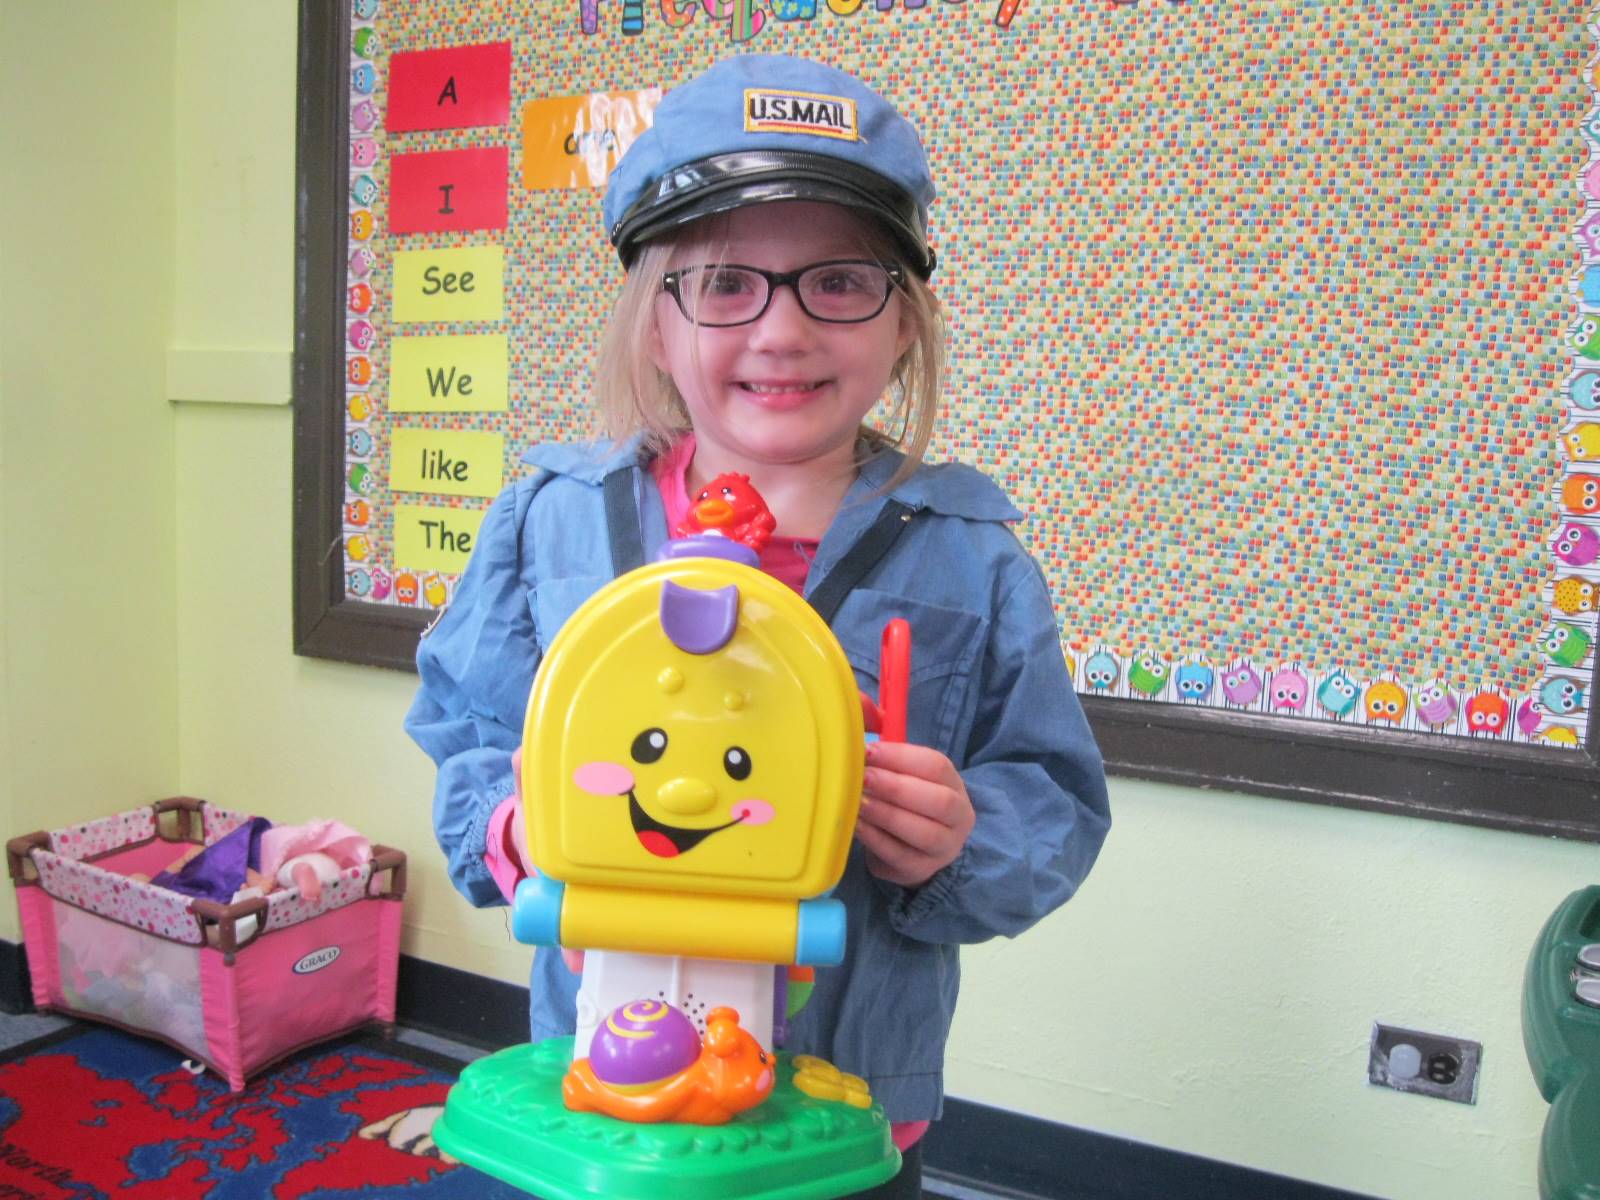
<point x="460" y="1006"/>
<point x="16" y="990"/>
<point x="1015" y="1155"/>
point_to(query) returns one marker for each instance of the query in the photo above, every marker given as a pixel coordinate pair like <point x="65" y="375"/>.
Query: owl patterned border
<point x="366" y="578"/>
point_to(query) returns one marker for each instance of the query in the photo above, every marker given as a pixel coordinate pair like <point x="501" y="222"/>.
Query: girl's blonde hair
<point x="632" y="395"/>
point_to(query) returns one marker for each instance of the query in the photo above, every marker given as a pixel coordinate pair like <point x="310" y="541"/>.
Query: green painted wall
<point x="88" y="549"/>
<point x="1212" y="988"/>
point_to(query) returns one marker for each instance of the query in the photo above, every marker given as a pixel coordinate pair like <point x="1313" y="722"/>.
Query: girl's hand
<point x="915" y="812"/>
<point x="573" y="958"/>
<point x="518" y="828"/>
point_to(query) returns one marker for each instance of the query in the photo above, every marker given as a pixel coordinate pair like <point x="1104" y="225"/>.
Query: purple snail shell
<point x="642" y="1043"/>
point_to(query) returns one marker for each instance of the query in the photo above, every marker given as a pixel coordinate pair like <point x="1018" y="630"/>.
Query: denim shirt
<point x="989" y="688"/>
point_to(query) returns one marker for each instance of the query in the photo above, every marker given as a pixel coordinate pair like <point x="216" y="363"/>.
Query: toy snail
<point x="647" y="1063"/>
<point x="729" y="505"/>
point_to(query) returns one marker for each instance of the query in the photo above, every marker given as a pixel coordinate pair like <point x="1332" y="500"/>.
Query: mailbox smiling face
<point x="694" y="727"/>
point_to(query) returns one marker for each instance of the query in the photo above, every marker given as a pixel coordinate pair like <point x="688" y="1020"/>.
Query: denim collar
<point x="948" y="488"/>
<point x="589" y="461"/>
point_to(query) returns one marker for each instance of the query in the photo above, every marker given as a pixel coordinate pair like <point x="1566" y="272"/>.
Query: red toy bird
<point x="730" y="506"/>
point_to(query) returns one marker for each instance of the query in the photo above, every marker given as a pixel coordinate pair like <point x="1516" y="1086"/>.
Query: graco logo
<point x="316" y="960"/>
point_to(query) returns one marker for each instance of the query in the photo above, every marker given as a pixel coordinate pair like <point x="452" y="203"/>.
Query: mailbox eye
<point x="736" y="762"/>
<point x="649" y="746"/>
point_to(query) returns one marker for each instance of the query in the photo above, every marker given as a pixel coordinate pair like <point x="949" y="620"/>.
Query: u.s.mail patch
<point x="774" y="110"/>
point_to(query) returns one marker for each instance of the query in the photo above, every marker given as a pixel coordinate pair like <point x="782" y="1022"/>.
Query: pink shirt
<point x="787" y="560"/>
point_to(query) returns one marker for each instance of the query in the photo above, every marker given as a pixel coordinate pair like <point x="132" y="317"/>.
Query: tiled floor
<point x="16" y="1029"/>
<point x="439" y="1045"/>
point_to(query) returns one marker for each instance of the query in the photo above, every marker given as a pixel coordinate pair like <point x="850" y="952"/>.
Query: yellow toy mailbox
<point x="691" y="768"/>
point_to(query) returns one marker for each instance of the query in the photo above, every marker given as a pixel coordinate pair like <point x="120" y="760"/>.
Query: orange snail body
<point x="730" y="1074"/>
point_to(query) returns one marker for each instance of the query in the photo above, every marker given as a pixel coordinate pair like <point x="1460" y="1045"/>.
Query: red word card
<point x="458" y="87"/>
<point x="448" y="189"/>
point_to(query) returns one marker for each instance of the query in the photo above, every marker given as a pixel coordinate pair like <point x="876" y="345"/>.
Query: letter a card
<point x="458" y="87"/>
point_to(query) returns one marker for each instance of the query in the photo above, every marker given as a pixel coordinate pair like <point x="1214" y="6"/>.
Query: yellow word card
<point x="463" y="284"/>
<point x="428" y="538"/>
<point x="462" y="373"/>
<point x="451" y="462"/>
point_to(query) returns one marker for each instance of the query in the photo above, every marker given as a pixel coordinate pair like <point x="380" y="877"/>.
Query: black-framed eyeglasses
<point x="840" y="291"/>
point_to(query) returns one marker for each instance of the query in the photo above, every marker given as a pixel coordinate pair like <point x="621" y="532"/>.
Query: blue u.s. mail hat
<point x="762" y="127"/>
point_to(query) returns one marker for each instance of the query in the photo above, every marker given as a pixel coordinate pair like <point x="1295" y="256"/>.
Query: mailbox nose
<point x="686" y="797"/>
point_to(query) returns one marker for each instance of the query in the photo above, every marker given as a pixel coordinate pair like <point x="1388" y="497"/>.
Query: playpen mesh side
<point x="130" y="978"/>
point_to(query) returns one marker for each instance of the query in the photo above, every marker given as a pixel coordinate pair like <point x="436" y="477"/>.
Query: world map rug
<point x="92" y="1113"/>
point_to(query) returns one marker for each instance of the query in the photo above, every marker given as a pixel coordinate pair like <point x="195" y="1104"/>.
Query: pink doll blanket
<point x="338" y="841"/>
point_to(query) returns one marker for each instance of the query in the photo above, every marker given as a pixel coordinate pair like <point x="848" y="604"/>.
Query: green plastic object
<point x="1562" y="1037"/>
<point x="506" y="1118"/>
<point x="799" y="993"/>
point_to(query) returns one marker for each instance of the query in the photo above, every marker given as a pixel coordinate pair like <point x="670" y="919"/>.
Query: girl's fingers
<point x="915" y="812"/>
<point x="908" y="758"/>
<point x="906" y="791"/>
<point x="905" y="825"/>
<point x="935" y="801"/>
<point x="891" y="859"/>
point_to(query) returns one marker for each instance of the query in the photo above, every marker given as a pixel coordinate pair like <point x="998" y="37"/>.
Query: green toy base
<point x="506" y="1118"/>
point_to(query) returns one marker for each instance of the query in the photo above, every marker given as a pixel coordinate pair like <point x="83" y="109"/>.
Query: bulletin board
<point x="1281" y="323"/>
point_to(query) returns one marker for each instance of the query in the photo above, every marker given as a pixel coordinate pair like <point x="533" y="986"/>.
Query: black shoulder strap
<point x="622" y="523"/>
<point x="627" y="543"/>
<point x="861" y="558"/>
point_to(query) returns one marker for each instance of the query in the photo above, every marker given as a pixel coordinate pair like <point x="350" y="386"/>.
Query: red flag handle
<point x="894" y="679"/>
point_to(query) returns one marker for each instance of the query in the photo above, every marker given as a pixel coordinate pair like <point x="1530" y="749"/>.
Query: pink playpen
<point x="235" y="986"/>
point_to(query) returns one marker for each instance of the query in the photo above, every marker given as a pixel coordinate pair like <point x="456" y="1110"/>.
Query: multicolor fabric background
<point x="1269" y="316"/>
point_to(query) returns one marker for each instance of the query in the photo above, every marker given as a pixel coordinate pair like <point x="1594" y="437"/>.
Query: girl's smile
<point x="783" y="395"/>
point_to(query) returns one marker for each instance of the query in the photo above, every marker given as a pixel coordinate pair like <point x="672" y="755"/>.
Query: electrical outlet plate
<point x="1446" y="1067"/>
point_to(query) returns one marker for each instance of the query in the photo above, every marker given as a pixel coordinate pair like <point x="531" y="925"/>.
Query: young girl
<point x="772" y="222"/>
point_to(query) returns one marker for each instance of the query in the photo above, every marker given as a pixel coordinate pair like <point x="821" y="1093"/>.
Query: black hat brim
<point x="725" y="182"/>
